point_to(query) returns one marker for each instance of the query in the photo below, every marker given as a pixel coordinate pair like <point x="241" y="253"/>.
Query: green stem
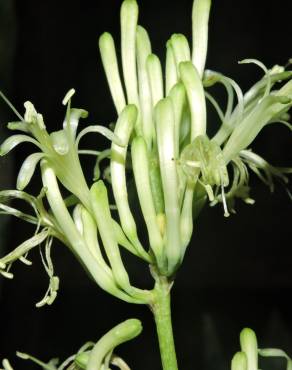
<point x="162" y="315"/>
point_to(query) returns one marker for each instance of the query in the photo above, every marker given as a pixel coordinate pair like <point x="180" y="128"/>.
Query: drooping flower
<point x="59" y="148"/>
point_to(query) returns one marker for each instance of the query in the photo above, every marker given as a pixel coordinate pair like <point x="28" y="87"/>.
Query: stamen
<point x="226" y="212"/>
<point x="95" y="153"/>
<point x="51" y="292"/>
<point x="11" y="106"/>
<point x="68" y="96"/>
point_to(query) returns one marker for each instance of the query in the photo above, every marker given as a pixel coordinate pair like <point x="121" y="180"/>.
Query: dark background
<point x="237" y="272"/>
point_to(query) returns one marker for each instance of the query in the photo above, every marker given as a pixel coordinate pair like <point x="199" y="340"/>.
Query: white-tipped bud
<point x="196" y="97"/>
<point x="239" y="361"/>
<point x="248" y="343"/>
<point x="200" y="17"/>
<point x="165" y="130"/>
<point x="110" y="65"/>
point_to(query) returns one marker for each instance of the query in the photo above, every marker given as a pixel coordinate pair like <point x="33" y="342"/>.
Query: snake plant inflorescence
<point x="161" y="133"/>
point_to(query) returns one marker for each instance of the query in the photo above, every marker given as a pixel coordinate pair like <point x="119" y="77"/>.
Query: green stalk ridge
<point x="161" y="309"/>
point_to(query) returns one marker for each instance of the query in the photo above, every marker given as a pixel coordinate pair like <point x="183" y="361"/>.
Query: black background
<point x="237" y="272"/>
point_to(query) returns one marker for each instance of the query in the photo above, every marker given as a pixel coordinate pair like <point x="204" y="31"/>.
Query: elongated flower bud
<point x="100" y="205"/>
<point x="200" y="15"/>
<point x="110" y="65"/>
<point x="121" y="333"/>
<point x="129" y="19"/>
<point x="123" y="130"/>
<point x="239" y="361"/>
<point x="171" y="77"/>
<point x="143" y="47"/>
<point x="165" y="130"/>
<point x="155" y="78"/>
<point x="180" y="48"/>
<point x="77" y="242"/>
<point x="249" y="346"/>
<point x="142" y="179"/>
<point x="196" y="98"/>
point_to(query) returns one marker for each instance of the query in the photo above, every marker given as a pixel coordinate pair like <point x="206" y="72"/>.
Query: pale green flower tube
<point x="143" y="47"/>
<point x="186" y="222"/>
<point x="247" y="130"/>
<point x="178" y="97"/>
<point x="155" y="78"/>
<point x="164" y="117"/>
<point x="142" y="179"/>
<point x="196" y="97"/>
<point x="77" y="242"/>
<point x="121" y="333"/>
<point x="239" y="361"/>
<point x="110" y="65"/>
<point x="180" y="48"/>
<point x="122" y="239"/>
<point x="171" y="77"/>
<point x="200" y="18"/>
<point x="101" y="210"/>
<point x="123" y="130"/>
<point x="249" y="346"/>
<point x="90" y="236"/>
<point x="129" y="19"/>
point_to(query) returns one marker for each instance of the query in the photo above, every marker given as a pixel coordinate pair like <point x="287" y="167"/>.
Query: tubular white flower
<point x="142" y="179"/>
<point x="77" y="242"/>
<point x="90" y="236"/>
<point x="155" y="78"/>
<point x="239" y="361"/>
<point x="164" y="117"/>
<point x="178" y="97"/>
<point x="143" y="47"/>
<point x="200" y="17"/>
<point x="110" y="65"/>
<point x="249" y="346"/>
<point x="101" y="211"/>
<point x="186" y="218"/>
<point x="196" y="98"/>
<point x="171" y="77"/>
<point x="129" y="19"/>
<point x="123" y="130"/>
<point x="121" y="333"/>
<point x="181" y="49"/>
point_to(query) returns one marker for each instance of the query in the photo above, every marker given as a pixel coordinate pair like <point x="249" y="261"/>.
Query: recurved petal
<point x="27" y="170"/>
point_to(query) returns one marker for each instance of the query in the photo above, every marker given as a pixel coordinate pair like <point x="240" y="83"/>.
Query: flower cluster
<point x="161" y="130"/>
<point x="90" y="217"/>
<point x="176" y="165"/>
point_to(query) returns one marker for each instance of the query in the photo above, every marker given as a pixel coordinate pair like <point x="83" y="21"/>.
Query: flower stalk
<point x="162" y="314"/>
